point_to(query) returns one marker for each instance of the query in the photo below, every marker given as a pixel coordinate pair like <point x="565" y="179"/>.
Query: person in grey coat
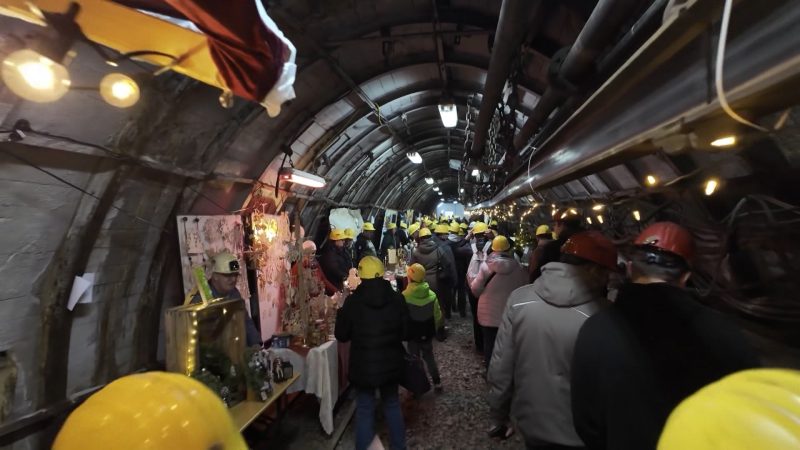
<point x="529" y="376"/>
<point x="440" y="267"/>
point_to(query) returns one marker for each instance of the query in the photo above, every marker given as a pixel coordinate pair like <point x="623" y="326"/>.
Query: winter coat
<point x="425" y="315"/>
<point x="363" y="247"/>
<point x="440" y="270"/>
<point x="402" y="237"/>
<point x="529" y="375"/>
<point x="335" y="264"/>
<point x="493" y="291"/>
<point x="462" y="252"/>
<point x="551" y="252"/>
<point x="636" y="360"/>
<point x="389" y="241"/>
<point x="374" y="319"/>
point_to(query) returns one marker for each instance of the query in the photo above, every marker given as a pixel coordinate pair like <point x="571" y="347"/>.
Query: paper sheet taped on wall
<point x="81" y="290"/>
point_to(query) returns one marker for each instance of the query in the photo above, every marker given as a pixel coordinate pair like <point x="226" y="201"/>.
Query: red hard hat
<point x="668" y="237"/>
<point x="592" y="246"/>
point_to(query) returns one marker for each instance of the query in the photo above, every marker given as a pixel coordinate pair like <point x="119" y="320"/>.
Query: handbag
<point x="415" y="380"/>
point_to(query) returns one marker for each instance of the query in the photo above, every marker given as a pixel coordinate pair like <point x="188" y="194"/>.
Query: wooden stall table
<point x="246" y="412"/>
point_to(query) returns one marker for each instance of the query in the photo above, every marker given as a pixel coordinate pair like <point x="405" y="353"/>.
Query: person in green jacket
<point x="425" y="319"/>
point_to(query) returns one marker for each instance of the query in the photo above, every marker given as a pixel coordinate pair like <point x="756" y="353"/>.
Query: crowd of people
<point x="584" y="348"/>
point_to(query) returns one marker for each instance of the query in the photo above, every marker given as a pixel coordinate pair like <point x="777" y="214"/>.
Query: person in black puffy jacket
<point x="374" y="319"/>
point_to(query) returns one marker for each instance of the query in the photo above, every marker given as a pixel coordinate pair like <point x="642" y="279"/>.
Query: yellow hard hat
<point x="542" y="229"/>
<point x="403" y="225"/>
<point x="349" y="233"/>
<point x="463" y="226"/>
<point x="500" y="244"/>
<point x="428" y="222"/>
<point x="337" y="234"/>
<point x="493" y="224"/>
<point x="480" y="227"/>
<point x="413" y="228"/>
<point x="424" y="232"/>
<point x="454" y="228"/>
<point x="153" y="410"/>
<point x="441" y="229"/>
<point x="370" y="267"/>
<point x="416" y="272"/>
<point x="752" y="409"/>
<point x="368" y="226"/>
<point x="226" y="263"/>
<point x="391" y="226"/>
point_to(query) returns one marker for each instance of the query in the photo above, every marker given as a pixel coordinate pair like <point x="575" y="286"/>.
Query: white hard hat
<point x="226" y="263"/>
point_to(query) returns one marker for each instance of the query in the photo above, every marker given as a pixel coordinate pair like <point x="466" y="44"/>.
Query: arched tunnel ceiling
<point x="334" y="133"/>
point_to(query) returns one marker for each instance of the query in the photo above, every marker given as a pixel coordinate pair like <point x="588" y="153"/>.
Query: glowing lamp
<point x="119" y="90"/>
<point x="651" y="180"/>
<point x="724" y="141"/>
<point x="711" y="186"/>
<point x="414" y="157"/>
<point x="293" y="175"/>
<point x="429" y="180"/>
<point x="35" y="77"/>
<point x="449" y="113"/>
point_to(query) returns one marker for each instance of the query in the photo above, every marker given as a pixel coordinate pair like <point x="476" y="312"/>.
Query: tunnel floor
<point x="458" y="418"/>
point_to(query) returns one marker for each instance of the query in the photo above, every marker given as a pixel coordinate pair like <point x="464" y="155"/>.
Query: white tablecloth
<point x="319" y="376"/>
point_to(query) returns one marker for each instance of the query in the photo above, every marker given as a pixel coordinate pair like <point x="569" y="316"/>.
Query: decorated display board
<point x="271" y="255"/>
<point x="203" y="237"/>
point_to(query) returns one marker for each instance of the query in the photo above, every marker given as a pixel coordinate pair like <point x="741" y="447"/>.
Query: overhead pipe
<point x="512" y="26"/>
<point x="648" y="23"/>
<point x="604" y="23"/>
<point x="666" y="83"/>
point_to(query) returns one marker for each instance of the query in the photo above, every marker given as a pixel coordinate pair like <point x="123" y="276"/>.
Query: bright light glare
<point x="589" y="220"/>
<point x="119" y="90"/>
<point x="414" y="157"/>
<point x="637" y="216"/>
<point x="35" y="77"/>
<point x="122" y="90"/>
<point x="651" y="180"/>
<point x="461" y="190"/>
<point x="598" y="207"/>
<point x="476" y="172"/>
<point x="429" y="180"/>
<point x="725" y="141"/>
<point x="711" y="186"/>
<point x="600" y="219"/>
<point x="449" y="114"/>
<point x="436" y="188"/>
<point x="38" y="75"/>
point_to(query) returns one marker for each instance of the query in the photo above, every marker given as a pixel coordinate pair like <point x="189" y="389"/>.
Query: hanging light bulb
<point x="414" y="157"/>
<point x="461" y="190"/>
<point x="651" y="180"/>
<point x="449" y="113"/>
<point x="35" y="77"/>
<point x="119" y="90"/>
<point x="637" y="216"/>
<point x="711" y="186"/>
<point x="589" y="220"/>
<point x="724" y="141"/>
<point x="600" y="219"/>
<point x="476" y="172"/>
<point x="436" y="188"/>
<point x="598" y="207"/>
<point x="429" y="180"/>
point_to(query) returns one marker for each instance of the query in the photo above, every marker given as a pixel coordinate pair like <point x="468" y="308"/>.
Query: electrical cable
<point x="84" y="191"/>
<point x="718" y="78"/>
